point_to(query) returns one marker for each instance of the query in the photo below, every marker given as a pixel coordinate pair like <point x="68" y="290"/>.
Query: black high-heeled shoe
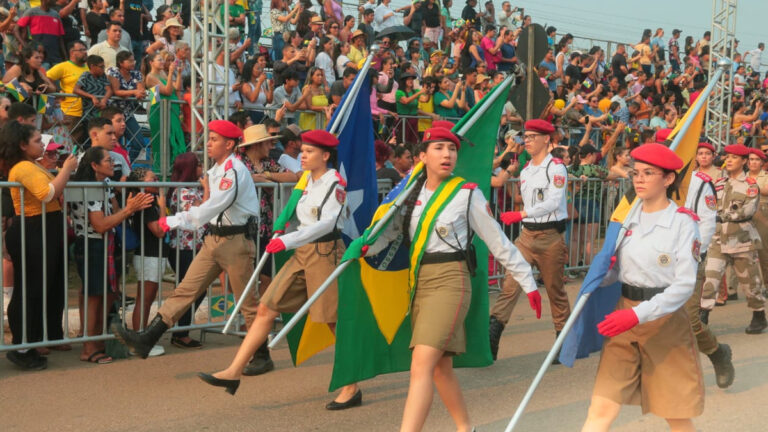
<point x="230" y="386"/>
<point x="354" y="401"/>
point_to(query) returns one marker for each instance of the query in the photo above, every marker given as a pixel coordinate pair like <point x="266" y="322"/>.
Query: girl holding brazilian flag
<point x="436" y="224"/>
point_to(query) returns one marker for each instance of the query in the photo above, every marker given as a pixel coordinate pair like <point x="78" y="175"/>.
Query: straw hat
<point x="172" y="22"/>
<point x="256" y="134"/>
<point x="357" y="33"/>
<point x="316" y="20"/>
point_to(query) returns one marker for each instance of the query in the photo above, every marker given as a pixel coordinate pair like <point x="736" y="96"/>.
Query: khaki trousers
<point x="546" y="250"/>
<point x="705" y="339"/>
<point x="234" y="255"/>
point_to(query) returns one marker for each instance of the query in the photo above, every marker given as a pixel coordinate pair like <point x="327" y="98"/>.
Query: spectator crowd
<point x="116" y="60"/>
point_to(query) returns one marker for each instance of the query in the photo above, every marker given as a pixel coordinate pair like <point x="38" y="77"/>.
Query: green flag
<point x="373" y="330"/>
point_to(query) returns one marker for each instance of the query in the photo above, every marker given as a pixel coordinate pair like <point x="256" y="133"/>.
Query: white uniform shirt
<point x="702" y="200"/>
<point x="544" y="200"/>
<point x="290" y="163"/>
<point x="308" y="209"/>
<point x="230" y="183"/>
<point x="451" y="225"/>
<point x="662" y="255"/>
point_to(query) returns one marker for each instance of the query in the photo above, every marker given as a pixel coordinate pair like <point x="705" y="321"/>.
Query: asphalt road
<point x="163" y="393"/>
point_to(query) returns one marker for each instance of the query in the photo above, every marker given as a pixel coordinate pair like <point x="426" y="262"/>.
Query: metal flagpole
<point x="337" y="121"/>
<point x="722" y="66"/>
<point x="247" y="290"/>
<point x="491" y="98"/>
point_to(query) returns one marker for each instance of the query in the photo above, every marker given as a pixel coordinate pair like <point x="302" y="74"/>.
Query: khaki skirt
<point x="301" y="276"/>
<point x="440" y="305"/>
<point x="654" y="365"/>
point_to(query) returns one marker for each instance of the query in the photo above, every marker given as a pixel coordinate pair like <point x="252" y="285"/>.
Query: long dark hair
<point x="85" y="171"/>
<point x="247" y="73"/>
<point x="410" y="203"/>
<point x="12" y="136"/>
<point x="27" y="54"/>
<point x="184" y="170"/>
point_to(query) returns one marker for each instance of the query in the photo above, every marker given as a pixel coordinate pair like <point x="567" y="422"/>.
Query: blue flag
<point x="357" y="164"/>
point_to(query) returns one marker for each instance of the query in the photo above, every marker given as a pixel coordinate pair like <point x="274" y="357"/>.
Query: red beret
<point x="737" y="149"/>
<point x="440" y="134"/>
<point x="320" y="138"/>
<point x="657" y="155"/>
<point x="708" y="146"/>
<point x="757" y="152"/>
<point x="538" y="125"/>
<point x="445" y="124"/>
<point x="662" y="135"/>
<point x="225" y="128"/>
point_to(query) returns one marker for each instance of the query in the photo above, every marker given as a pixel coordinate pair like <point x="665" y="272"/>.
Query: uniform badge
<point x="711" y="202"/>
<point x="752" y="191"/>
<point x="664" y="260"/>
<point x="696" y="250"/>
<point x="341" y="195"/>
<point x="225" y="183"/>
<point x="314" y="211"/>
<point x="540" y="195"/>
<point x="559" y="181"/>
<point x="442" y="231"/>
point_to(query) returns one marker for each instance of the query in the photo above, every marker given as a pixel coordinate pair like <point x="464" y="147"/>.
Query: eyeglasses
<point x="334" y="26"/>
<point x="51" y="154"/>
<point x="642" y="175"/>
<point x="530" y="137"/>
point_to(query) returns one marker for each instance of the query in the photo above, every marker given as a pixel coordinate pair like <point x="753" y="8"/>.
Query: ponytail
<point x="410" y="203"/>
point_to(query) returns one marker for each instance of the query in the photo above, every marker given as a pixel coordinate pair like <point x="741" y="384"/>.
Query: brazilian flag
<point x="374" y="329"/>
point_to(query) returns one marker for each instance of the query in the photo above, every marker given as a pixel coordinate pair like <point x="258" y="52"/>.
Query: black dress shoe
<point x="354" y="401"/>
<point x="230" y="386"/>
<point x="30" y="360"/>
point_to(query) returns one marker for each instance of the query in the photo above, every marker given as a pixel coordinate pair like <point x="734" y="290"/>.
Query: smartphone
<point x="269" y="75"/>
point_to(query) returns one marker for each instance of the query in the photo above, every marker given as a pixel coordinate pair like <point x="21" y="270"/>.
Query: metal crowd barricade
<point x="81" y="193"/>
<point x="590" y="205"/>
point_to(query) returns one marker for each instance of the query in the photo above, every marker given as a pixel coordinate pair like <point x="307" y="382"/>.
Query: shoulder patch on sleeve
<point x="703" y="176"/>
<point x="228" y="165"/>
<point x="469" y="185"/>
<point x="752" y="190"/>
<point x="342" y="182"/>
<point x="689" y="212"/>
<point x="751" y="181"/>
<point x="557" y="161"/>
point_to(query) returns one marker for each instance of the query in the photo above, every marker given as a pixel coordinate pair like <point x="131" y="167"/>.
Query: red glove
<point x="617" y="322"/>
<point x="163" y="224"/>
<point x="511" y="217"/>
<point x="275" y="246"/>
<point x="534" y="299"/>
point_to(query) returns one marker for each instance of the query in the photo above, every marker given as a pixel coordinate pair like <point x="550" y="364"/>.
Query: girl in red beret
<point x="436" y="220"/>
<point x="649" y="355"/>
<point x="314" y="233"/>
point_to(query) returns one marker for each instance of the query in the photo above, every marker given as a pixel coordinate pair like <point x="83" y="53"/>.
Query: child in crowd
<point x="149" y="260"/>
<point x="93" y="86"/>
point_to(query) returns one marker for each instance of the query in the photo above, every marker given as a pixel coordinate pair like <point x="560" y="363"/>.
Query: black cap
<point x="676" y="31"/>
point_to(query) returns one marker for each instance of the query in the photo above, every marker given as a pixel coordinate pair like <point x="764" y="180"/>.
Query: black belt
<point x="557" y="225"/>
<point x="639" y="294"/>
<point x="335" y="235"/>
<point x="719" y="219"/>
<point x="442" y="257"/>
<point x="228" y="230"/>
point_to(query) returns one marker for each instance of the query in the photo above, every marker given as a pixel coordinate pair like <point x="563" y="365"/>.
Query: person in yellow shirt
<point x="43" y="270"/>
<point x="357" y="51"/>
<point x="67" y="73"/>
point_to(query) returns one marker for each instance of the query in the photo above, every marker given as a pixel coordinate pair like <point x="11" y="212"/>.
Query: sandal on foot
<point x="99" y="357"/>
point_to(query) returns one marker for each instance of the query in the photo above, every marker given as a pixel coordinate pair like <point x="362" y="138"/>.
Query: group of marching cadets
<point x="648" y="356"/>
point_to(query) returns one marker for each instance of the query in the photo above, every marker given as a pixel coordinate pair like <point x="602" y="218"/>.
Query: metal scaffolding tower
<point x="210" y="81"/>
<point x="718" y="120"/>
